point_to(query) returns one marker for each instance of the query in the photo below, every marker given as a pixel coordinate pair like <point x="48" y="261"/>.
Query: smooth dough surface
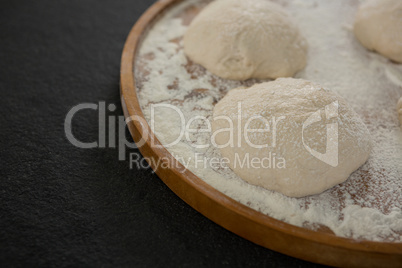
<point x="238" y="39"/>
<point x="378" y="26"/>
<point x="314" y="118"/>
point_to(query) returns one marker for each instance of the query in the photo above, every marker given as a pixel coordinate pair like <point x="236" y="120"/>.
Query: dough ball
<point x="291" y="136"/>
<point x="238" y="39"/>
<point x="399" y="107"/>
<point x="378" y="27"/>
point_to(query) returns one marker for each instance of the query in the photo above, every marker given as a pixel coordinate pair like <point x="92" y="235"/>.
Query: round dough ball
<point x="238" y="39"/>
<point x="291" y="136"/>
<point x="378" y="27"/>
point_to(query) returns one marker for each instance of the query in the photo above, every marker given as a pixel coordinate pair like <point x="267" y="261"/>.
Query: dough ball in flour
<point x="290" y="135"/>
<point x="239" y="39"/>
<point x="378" y="26"/>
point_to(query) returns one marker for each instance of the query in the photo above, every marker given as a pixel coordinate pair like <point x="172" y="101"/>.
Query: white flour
<point x="369" y="204"/>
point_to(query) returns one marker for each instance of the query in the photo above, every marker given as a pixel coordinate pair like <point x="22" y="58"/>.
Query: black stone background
<point x="62" y="206"/>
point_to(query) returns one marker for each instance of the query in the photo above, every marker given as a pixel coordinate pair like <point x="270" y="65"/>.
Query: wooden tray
<point x="316" y="246"/>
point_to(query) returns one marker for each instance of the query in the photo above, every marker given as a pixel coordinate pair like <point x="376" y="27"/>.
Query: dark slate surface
<point x="65" y="206"/>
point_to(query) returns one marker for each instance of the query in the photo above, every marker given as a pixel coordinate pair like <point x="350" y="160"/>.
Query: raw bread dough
<point x="238" y="39"/>
<point x="316" y="142"/>
<point x="400" y="111"/>
<point x="378" y="27"/>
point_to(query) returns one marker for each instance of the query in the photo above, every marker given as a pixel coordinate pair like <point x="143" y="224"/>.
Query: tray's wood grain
<point x="316" y="246"/>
